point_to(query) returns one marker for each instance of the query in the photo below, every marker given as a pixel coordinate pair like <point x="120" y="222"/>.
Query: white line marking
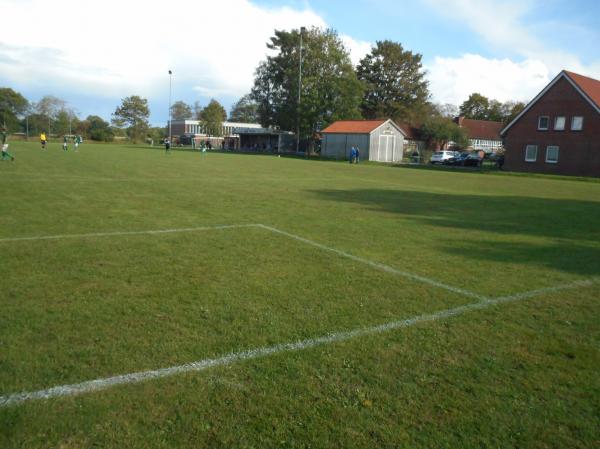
<point x="234" y="357"/>
<point x="378" y="265"/>
<point x="119" y="233"/>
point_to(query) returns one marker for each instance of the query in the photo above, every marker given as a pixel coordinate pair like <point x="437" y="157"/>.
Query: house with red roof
<point x="559" y="130"/>
<point x="377" y="140"/>
<point x="484" y="135"/>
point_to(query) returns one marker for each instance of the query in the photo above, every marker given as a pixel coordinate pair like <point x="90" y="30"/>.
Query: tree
<point x="181" y="111"/>
<point x="156" y="134"/>
<point x="197" y="110"/>
<point x="212" y="117"/>
<point x="446" y="110"/>
<point x="511" y="109"/>
<point x="47" y="110"/>
<point x="476" y="107"/>
<point x="395" y="85"/>
<point x="245" y="110"/>
<point x="65" y="121"/>
<point x="12" y="106"/>
<point x="133" y="113"/>
<point x="479" y="107"/>
<point x="330" y="90"/>
<point x="99" y="129"/>
<point x="441" y="130"/>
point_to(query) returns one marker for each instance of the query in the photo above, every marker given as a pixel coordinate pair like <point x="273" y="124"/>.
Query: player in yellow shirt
<point x="43" y="140"/>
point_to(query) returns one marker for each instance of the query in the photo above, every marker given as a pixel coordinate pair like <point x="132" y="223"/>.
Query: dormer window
<point x="576" y="123"/>
<point x="543" y="123"/>
<point x="559" y="123"/>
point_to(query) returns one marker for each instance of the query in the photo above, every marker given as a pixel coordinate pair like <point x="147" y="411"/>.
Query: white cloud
<point x="358" y="49"/>
<point x="452" y="80"/>
<point x="119" y="47"/>
<point x="510" y="27"/>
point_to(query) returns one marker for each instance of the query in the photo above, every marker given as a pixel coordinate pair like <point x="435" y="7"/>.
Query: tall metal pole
<point x="170" y="76"/>
<point x="302" y="29"/>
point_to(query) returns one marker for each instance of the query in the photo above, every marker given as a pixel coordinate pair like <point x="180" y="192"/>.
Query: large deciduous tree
<point x="330" y="90"/>
<point x="99" y="129"/>
<point x="245" y="110"/>
<point x="395" y="85"/>
<point x="12" y="106"/>
<point x="475" y="107"/>
<point x="212" y="117"/>
<point x="133" y="113"/>
<point x="511" y="109"/>
<point x="479" y="107"/>
<point x="180" y="110"/>
<point x="47" y="111"/>
<point x="441" y="130"/>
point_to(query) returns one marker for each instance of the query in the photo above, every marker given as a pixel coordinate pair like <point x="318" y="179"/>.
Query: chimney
<point x="459" y="120"/>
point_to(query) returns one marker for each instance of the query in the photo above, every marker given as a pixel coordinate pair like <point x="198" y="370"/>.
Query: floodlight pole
<point x="170" y="77"/>
<point x="302" y="30"/>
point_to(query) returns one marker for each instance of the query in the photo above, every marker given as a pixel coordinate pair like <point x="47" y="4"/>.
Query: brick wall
<point x="579" y="151"/>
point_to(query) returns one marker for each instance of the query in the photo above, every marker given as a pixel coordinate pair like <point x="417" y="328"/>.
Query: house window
<point x="559" y="123"/>
<point x="530" y="153"/>
<point x="552" y="154"/>
<point x="543" y="122"/>
<point x="577" y="123"/>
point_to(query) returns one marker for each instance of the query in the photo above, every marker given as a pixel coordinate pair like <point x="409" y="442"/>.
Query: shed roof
<point x="353" y="126"/>
<point x="482" y="129"/>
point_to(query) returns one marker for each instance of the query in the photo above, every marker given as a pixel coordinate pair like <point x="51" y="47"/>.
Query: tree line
<point x="389" y="82"/>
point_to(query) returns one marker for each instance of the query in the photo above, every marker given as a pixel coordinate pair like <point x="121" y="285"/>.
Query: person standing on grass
<point x="357" y="154"/>
<point x="352" y="154"/>
<point x="43" y="140"/>
<point x="65" y="143"/>
<point x="4" y="137"/>
<point x="76" y="142"/>
<point x="167" y="145"/>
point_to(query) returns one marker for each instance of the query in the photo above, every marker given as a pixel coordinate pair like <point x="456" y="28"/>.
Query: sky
<point x="92" y="54"/>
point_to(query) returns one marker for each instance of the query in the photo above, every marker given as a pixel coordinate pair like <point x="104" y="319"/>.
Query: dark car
<point x="472" y="160"/>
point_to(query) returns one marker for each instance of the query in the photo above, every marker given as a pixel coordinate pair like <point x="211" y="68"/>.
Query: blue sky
<point x="503" y="49"/>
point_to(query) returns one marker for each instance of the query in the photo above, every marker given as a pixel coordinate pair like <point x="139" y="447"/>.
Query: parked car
<point x="472" y="160"/>
<point x="456" y="160"/>
<point x="440" y="156"/>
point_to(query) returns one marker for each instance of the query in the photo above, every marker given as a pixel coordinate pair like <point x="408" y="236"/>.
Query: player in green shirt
<point x="65" y="143"/>
<point x="5" y="154"/>
<point x="77" y="140"/>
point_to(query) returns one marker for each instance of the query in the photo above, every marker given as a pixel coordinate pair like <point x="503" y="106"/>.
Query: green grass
<point x="515" y="375"/>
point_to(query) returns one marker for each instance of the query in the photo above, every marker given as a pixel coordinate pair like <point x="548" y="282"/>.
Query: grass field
<point x="327" y="304"/>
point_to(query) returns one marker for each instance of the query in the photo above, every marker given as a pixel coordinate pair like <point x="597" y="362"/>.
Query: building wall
<point x="579" y="151"/>
<point x="486" y="145"/>
<point x="392" y="152"/>
<point x="338" y="146"/>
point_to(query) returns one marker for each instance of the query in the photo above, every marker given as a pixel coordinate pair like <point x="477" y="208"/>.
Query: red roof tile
<point x="353" y="126"/>
<point x="589" y="86"/>
<point x="482" y="129"/>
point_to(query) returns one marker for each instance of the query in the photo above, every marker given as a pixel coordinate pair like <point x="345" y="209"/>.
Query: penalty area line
<point x="235" y="357"/>
<point x="121" y="233"/>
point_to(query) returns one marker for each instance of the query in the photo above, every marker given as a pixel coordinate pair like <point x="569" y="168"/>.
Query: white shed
<point x="377" y="140"/>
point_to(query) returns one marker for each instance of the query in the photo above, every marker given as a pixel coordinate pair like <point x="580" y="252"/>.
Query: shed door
<point x="387" y="145"/>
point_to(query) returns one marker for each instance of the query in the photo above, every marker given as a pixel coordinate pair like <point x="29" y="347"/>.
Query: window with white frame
<point x="577" y="123"/>
<point x="552" y="154"/>
<point x="530" y="153"/>
<point x="543" y="122"/>
<point x="559" y="123"/>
